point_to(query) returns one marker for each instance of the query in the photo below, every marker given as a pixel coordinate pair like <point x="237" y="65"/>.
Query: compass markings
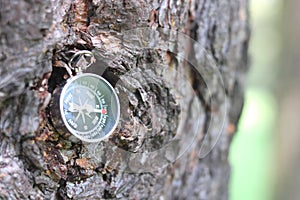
<point x="90" y="94"/>
<point x="95" y="120"/>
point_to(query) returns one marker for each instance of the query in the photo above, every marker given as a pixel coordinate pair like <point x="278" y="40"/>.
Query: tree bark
<point x="173" y="109"/>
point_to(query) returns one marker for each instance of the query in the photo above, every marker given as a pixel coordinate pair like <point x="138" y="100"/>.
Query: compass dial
<point x="89" y="107"/>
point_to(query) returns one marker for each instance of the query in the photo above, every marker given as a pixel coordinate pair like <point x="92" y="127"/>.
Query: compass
<point x="89" y="107"/>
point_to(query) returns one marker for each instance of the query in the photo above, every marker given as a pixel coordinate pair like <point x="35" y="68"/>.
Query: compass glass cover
<point x="89" y="107"/>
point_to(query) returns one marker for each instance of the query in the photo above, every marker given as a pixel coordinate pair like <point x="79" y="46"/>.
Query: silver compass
<point x="89" y="107"/>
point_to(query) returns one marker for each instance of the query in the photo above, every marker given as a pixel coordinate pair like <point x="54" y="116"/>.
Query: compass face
<point x="89" y="107"/>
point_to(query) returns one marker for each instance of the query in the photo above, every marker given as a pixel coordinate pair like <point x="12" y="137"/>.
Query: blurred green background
<point x="252" y="154"/>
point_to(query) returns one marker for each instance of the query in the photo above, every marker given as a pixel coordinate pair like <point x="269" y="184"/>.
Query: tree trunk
<point x="171" y="63"/>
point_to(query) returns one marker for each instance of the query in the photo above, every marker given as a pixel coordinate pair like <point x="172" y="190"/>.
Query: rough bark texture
<point x="40" y="160"/>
